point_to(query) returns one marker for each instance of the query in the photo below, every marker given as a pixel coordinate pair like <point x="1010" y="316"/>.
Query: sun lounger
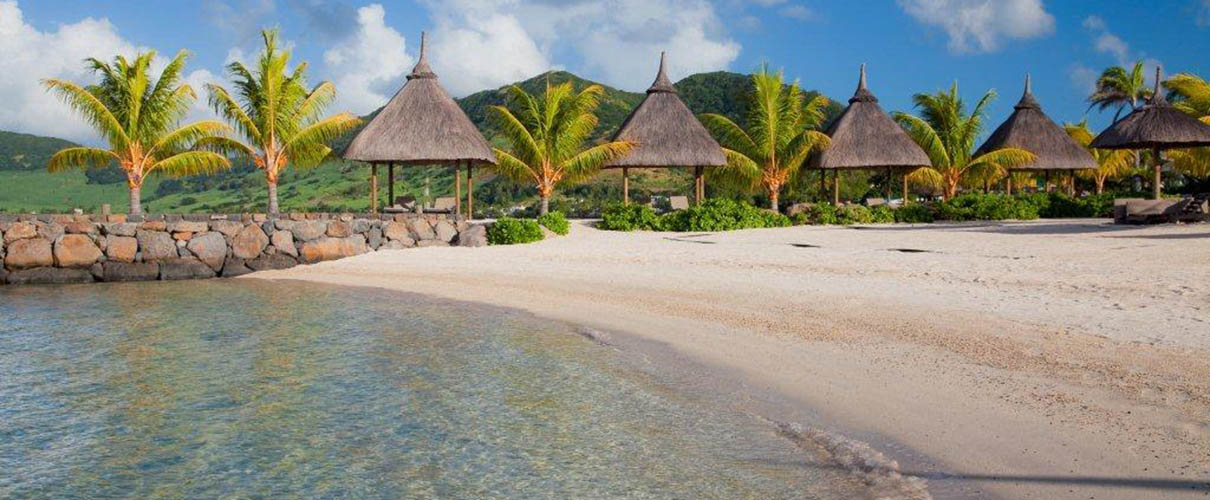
<point x="1136" y="211"/>
<point x="444" y="205"/>
<point x="403" y="204"/>
<point x="679" y="202"/>
<point x="874" y="202"/>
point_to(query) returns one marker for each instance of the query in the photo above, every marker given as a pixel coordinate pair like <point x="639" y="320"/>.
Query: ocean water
<point x="250" y="389"/>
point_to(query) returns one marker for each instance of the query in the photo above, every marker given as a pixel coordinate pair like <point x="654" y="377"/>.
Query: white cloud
<point x="473" y="51"/>
<point x="368" y="66"/>
<point x="1106" y="42"/>
<point x="982" y="25"/>
<point x="797" y="12"/>
<point x="1083" y="78"/>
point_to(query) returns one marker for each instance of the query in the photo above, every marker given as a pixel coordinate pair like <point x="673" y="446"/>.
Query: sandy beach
<point x="1056" y="359"/>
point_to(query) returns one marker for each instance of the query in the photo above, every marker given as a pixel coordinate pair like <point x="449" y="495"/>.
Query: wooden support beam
<point x="1158" y="189"/>
<point x="390" y="184"/>
<point x="1008" y="184"/>
<point x="457" y="190"/>
<point x="697" y="185"/>
<point x="905" y="186"/>
<point x="836" y="187"/>
<point x="374" y="188"/>
<point x="625" y="185"/>
<point x="470" y="191"/>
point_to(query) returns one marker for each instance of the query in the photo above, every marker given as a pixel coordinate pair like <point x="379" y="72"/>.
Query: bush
<point x="915" y="213"/>
<point x="978" y="206"/>
<point x="1061" y="206"/>
<point x="619" y="217"/>
<point x="556" y="222"/>
<point x="882" y="214"/>
<point x="510" y="231"/>
<point x="722" y="214"/>
<point x="817" y="214"/>
<point x="852" y="214"/>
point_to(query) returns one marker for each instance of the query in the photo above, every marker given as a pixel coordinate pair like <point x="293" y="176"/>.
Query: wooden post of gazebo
<point x="457" y="190"/>
<point x="1008" y="183"/>
<point x="390" y="184"/>
<point x="625" y="185"/>
<point x="374" y="188"/>
<point x="836" y="187"/>
<point x="905" y="188"/>
<point x="470" y="191"/>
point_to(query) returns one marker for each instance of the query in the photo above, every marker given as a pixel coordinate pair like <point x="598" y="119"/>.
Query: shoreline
<point x="1025" y="397"/>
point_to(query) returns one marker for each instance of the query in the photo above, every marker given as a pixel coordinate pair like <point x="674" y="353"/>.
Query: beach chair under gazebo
<point x="1157" y="126"/>
<point x="1030" y="129"/>
<point x="667" y="135"/>
<point x="864" y="137"/>
<point x="421" y="125"/>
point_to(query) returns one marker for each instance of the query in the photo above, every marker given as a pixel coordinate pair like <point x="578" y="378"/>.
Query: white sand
<point x="1062" y="359"/>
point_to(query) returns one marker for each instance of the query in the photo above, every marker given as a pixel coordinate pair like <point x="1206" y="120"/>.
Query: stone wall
<point x="87" y="248"/>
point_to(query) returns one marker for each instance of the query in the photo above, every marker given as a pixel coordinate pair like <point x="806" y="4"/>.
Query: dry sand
<point x="1060" y="359"/>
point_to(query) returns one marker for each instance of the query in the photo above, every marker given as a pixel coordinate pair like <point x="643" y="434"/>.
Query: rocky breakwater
<point x="81" y="248"/>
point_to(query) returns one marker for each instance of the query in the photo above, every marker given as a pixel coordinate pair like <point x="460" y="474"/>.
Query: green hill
<point x="28" y="152"/>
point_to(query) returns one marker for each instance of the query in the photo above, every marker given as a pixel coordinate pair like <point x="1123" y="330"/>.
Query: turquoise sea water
<point x="249" y="389"/>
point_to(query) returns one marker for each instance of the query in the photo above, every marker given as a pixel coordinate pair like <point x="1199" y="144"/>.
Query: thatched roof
<point x="667" y="133"/>
<point x="1030" y="129"/>
<point x="865" y="137"/>
<point x="420" y="125"/>
<point x="1157" y="125"/>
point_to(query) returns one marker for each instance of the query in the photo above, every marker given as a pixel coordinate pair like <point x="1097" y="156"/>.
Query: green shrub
<point x="817" y="215"/>
<point x="510" y="231"/>
<point x="1061" y="206"/>
<point x="882" y="214"/>
<point x="619" y="217"/>
<point x="853" y="214"/>
<point x="722" y="214"/>
<point x="915" y="213"/>
<point x="978" y="206"/>
<point x="555" y="222"/>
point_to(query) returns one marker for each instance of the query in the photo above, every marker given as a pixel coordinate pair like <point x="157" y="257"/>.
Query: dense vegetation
<point x="28" y="152"/>
<point x="716" y="214"/>
<point x="511" y="231"/>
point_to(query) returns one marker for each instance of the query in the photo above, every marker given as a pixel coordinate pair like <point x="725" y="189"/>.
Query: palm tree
<point x="947" y="134"/>
<point x="278" y="117"/>
<point x="547" y="133"/>
<point x="780" y="135"/>
<point x="1192" y="95"/>
<point x="1119" y="88"/>
<point x="1111" y="164"/>
<point x="138" y="118"/>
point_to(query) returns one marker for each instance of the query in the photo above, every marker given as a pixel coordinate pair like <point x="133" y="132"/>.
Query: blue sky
<point x="366" y="46"/>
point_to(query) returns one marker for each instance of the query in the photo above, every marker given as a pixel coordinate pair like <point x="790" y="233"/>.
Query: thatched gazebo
<point x="421" y="125"/>
<point x="667" y="135"/>
<point x="1156" y="126"/>
<point x="864" y="137"/>
<point x="1030" y="129"/>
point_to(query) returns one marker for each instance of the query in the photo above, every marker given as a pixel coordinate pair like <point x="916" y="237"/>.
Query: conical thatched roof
<point x="422" y="124"/>
<point x="667" y="133"/>
<point x="1030" y="129"/>
<point x="864" y="136"/>
<point x="1157" y="125"/>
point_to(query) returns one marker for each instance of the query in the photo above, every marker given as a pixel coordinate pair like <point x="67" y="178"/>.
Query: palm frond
<point x="80" y="158"/>
<point x="320" y="133"/>
<point x="191" y="163"/>
<point x="184" y="137"/>
<point x="93" y="110"/>
<point x="1005" y="159"/>
<point x="739" y="172"/>
<point x="589" y="162"/>
<point x="924" y="136"/>
<point x="523" y="144"/>
<point x="729" y="134"/>
<point x="512" y="168"/>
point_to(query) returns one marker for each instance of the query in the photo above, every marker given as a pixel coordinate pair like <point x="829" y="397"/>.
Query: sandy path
<point x="1063" y="359"/>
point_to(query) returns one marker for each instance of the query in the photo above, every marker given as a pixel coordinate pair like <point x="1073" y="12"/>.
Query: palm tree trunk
<point x="273" y="196"/>
<point x="545" y="207"/>
<point x="773" y="200"/>
<point x="136" y="200"/>
<point x="1100" y="185"/>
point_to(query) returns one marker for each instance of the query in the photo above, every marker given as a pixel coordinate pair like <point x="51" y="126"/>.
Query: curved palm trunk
<point x="273" y="196"/>
<point x="1100" y="185"/>
<point x="136" y="200"/>
<point x="544" y="208"/>
<point x="773" y="201"/>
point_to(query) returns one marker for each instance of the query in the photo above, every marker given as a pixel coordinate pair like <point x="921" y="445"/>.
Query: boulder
<point x="29" y="253"/>
<point x="249" y="243"/>
<point x="397" y="231"/>
<point x="432" y="243"/>
<point x="182" y="237"/>
<point x="51" y="230"/>
<point x="271" y="262"/>
<point x="422" y="229"/>
<point x="473" y="236"/>
<point x="131" y="271"/>
<point x="185" y="269"/>
<point x="227" y="227"/>
<point x="374" y="238"/>
<point x="326" y="249"/>
<point x="49" y="276"/>
<point x="339" y="229"/>
<point x="284" y="242"/>
<point x="188" y="226"/>
<point x="309" y="230"/>
<point x="154" y="225"/>
<point x="121" y="229"/>
<point x="155" y="245"/>
<point x="235" y="267"/>
<point x="210" y="248"/>
<point x="121" y="248"/>
<point x="445" y="231"/>
<point x="76" y="250"/>
<point x="3" y="276"/>
<point x="358" y="244"/>
<point x="20" y="231"/>
<point x="362" y="225"/>
<point x="397" y="244"/>
<point x="80" y="227"/>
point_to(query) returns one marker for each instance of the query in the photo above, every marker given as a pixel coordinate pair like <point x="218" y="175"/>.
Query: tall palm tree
<point x="1119" y="88"/>
<point x="1111" y="163"/>
<point x="138" y="117"/>
<point x="781" y="133"/>
<point x="1192" y="95"/>
<point x="547" y="133"/>
<point x="947" y="134"/>
<point x="277" y="115"/>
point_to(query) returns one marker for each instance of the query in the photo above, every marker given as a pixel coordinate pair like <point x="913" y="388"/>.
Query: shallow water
<point x="243" y="388"/>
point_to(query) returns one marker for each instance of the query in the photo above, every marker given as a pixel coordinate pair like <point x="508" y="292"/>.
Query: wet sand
<point x="1057" y="359"/>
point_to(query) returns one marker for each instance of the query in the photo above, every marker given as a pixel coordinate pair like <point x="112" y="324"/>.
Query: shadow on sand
<point x="1042" y="228"/>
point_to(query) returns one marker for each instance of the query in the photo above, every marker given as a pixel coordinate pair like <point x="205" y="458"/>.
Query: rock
<point x="326" y="249"/>
<point x="397" y="231"/>
<point x="180" y="237"/>
<point x="473" y="236"/>
<point x="422" y="229"/>
<point x="97" y="271"/>
<point x="3" y="276"/>
<point x="210" y="248"/>
<point x="51" y="230"/>
<point x="48" y="276"/>
<point x="432" y="243"/>
<point x="122" y="229"/>
<point x="235" y="267"/>
<point x="445" y="231"/>
<point x="155" y="245"/>
<point x="185" y="269"/>
<point x="374" y="238"/>
<point x="268" y="227"/>
<point x="249" y="243"/>
<point x="227" y="227"/>
<point x="187" y="226"/>
<point x="361" y="225"/>
<point x="271" y="262"/>
<point x="29" y="253"/>
<point x="154" y="225"/>
<point x="76" y="250"/>
<point x="121" y="248"/>
<point x="396" y="245"/>
<point x="358" y="243"/>
<point x="79" y="227"/>
<point x="117" y="219"/>
<point x="20" y="231"/>
<point x="284" y="242"/>
<point x="309" y="230"/>
<point x="131" y="271"/>
<point x="338" y="229"/>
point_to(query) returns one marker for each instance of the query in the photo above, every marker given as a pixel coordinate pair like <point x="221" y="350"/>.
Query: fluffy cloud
<point x="797" y="12"/>
<point x="368" y="65"/>
<point x="1106" y="42"/>
<point x="476" y="48"/>
<point x="982" y="25"/>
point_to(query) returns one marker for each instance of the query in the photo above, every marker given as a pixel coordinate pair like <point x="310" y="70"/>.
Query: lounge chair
<point x="403" y="204"/>
<point x="679" y="202"/>
<point x="443" y="205"/>
<point x="873" y="202"/>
